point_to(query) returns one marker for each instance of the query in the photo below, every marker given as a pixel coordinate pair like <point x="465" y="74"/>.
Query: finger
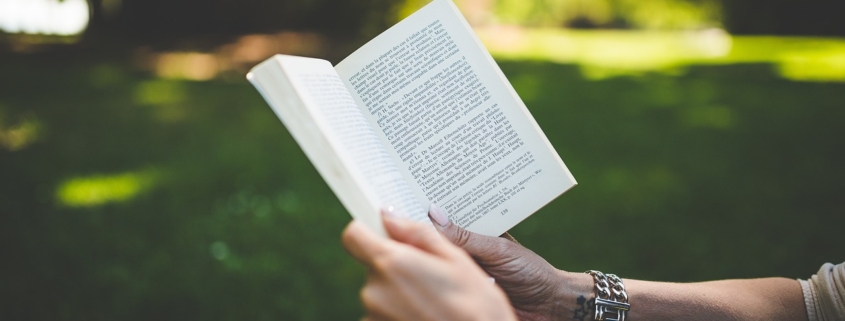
<point x="378" y="303"/>
<point x="419" y="235"/>
<point x="363" y="244"/>
<point x="374" y="318"/>
<point x="509" y="237"/>
<point x="480" y="247"/>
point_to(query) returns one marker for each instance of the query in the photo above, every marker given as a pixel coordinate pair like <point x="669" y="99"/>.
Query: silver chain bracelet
<point x="611" y="298"/>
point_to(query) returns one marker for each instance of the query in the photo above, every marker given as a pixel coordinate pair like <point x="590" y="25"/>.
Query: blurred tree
<point x="778" y="17"/>
<point x="152" y="21"/>
<point x="160" y="20"/>
<point x="781" y="17"/>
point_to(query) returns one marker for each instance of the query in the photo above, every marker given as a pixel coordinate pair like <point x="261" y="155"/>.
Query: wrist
<point x="571" y="299"/>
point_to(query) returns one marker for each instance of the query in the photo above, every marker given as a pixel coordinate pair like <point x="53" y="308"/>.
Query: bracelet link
<point x="616" y="311"/>
<point x="611" y="297"/>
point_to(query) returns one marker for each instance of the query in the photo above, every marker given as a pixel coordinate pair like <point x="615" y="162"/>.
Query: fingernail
<point x="438" y="215"/>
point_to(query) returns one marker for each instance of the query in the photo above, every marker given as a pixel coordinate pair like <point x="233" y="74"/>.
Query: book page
<point x="350" y="136"/>
<point x="453" y="122"/>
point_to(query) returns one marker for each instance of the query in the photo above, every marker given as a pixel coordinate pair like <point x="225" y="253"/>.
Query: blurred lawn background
<point x="142" y="178"/>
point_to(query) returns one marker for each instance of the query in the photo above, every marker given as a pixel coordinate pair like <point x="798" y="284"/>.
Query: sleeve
<point x="824" y="293"/>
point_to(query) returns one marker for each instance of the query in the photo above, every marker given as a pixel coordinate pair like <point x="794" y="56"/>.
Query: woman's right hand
<point x="537" y="290"/>
<point x="418" y="275"/>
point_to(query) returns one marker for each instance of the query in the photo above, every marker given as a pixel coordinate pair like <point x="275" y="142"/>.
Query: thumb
<point x="419" y="235"/>
<point x="481" y="247"/>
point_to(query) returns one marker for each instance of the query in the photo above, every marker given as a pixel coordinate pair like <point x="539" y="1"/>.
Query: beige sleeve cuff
<point x="824" y="293"/>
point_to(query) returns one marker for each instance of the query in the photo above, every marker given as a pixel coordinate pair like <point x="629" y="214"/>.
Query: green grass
<point x="719" y="171"/>
<point x="608" y="53"/>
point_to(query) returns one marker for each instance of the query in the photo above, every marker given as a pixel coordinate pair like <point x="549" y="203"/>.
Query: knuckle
<point x="420" y="233"/>
<point x="368" y="298"/>
<point x="346" y="237"/>
<point x="501" y="246"/>
<point x="462" y="237"/>
<point x="388" y="261"/>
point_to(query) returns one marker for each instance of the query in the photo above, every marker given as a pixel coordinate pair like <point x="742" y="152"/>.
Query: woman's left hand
<point x="419" y="275"/>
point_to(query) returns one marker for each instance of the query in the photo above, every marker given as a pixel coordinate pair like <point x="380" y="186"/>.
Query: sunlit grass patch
<point x="17" y="136"/>
<point x="95" y="190"/>
<point x="609" y="53"/>
<point x="813" y="66"/>
<point x="605" y="53"/>
<point x="166" y="98"/>
<point x="156" y="92"/>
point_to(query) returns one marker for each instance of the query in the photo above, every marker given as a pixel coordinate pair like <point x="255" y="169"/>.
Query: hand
<point x="418" y="275"/>
<point x="537" y="290"/>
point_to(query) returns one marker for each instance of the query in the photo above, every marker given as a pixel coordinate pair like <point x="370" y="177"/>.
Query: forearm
<point x="754" y="299"/>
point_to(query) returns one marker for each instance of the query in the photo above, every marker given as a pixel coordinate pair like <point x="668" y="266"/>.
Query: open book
<point x="421" y="114"/>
